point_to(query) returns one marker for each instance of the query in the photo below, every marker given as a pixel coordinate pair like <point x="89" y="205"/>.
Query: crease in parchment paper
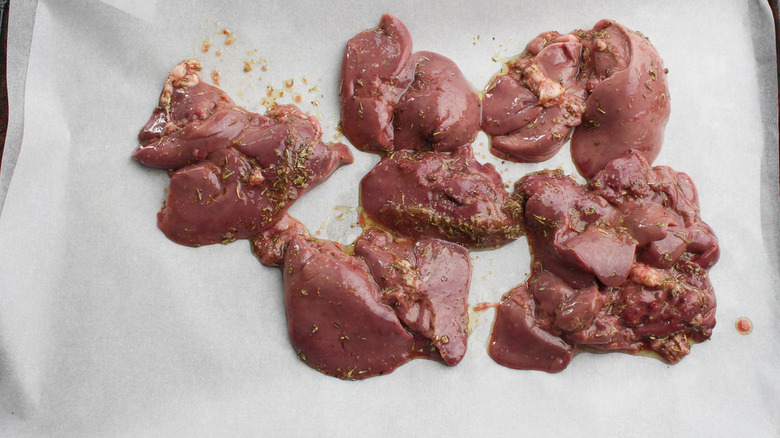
<point x="21" y="19"/>
<point x="770" y="176"/>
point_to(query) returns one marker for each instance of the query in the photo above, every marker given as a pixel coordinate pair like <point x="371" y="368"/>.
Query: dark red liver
<point x="619" y="264"/>
<point x="628" y="101"/>
<point x="361" y="312"/>
<point x="450" y="196"/>
<point x="375" y="72"/>
<point x="519" y="342"/>
<point x="233" y="172"/>
<point x="530" y="111"/>
<point x="393" y="99"/>
<point x="605" y="88"/>
<point x="426" y="282"/>
<point x="336" y="320"/>
<point x="440" y="110"/>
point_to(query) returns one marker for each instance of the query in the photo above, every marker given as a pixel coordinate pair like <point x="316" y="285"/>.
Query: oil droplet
<point x="744" y="326"/>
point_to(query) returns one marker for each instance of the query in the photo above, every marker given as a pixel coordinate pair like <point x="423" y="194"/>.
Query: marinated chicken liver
<point x="530" y="111"/>
<point x="449" y="196"/>
<point x="270" y="245"/>
<point x="233" y="172"/>
<point x="609" y="82"/>
<point x="628" y="101"/>
<point x="619" y="264"/>
<point x="335" y="318"/>
<point x="363" y="315"/>
<point x="426" y="282"/>
<point x="392" y="99"/>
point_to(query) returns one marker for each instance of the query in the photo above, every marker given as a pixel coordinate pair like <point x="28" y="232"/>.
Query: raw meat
<point x="619" y="264"/>
<point x="363" y="311"/>
<point x="608" y="82"/>
<point x="393" y="99"/>
<point x="449" y="196"/>
<point x="426" y="282"/>
<point x="233" y="172"/>
<point x="628" y="101"/>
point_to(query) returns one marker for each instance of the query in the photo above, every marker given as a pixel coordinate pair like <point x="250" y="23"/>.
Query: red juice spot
<point x="484" y="306"/>
<point x="744" y="326"/>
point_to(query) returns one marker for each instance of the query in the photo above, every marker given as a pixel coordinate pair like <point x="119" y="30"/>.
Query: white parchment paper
<point x="109" y="329"/>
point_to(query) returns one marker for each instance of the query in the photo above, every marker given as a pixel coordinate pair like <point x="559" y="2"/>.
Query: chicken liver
<point x="233" y="172"/>
<point x="604" y="88"/>
<point x="362" y="311"/>
<point x="619" y="264"/>
<point x="393" y="99"/>
<point x="449" y="196"/>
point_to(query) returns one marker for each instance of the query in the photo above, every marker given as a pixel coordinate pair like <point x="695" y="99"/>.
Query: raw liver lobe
<point x="426" y="282"/>
<point x="530" y="111"/>
<point x="439" y="195"/>
<point x="628" y="109"/>
<point x="233" y="172"/>
<point x="605" y="88"/>
<point x="393" y="99"/>
<point x="375" y="72"/>
<point x="360" y="315"/>
<point x="619" y="264"/>
<point x="335" y="318"/>
<point x="440" y="110"/>
<point x="517" y="340"/>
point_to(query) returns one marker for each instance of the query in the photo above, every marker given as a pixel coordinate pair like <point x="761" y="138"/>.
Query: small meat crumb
<point x="230" y="37"/>
<point x="215" y="77"/>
